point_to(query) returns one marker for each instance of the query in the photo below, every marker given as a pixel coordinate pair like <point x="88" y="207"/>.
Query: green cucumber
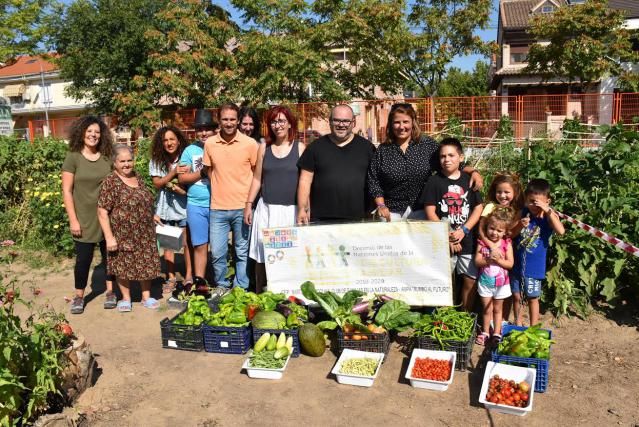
<point x="272" y="343"/>
<point x="289" y="344"/>
<point x="261" y="343"/>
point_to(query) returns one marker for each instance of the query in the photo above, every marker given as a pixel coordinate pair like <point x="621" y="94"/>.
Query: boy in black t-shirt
<point x="448" y="196"/>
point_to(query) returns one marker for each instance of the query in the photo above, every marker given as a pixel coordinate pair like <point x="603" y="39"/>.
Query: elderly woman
<point x="276" y="175"/>
<point x="125" y="211"/>
<point x="401" y="166"/>
<point x="85" y="166"/>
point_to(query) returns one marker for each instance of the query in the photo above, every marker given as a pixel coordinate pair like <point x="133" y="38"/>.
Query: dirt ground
<point x="594" y="372"/>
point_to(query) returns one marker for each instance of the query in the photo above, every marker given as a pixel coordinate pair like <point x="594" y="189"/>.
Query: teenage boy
<point x="448" y="196"/>
<point x="533" y="231"/>
<point x="198" y="196"/>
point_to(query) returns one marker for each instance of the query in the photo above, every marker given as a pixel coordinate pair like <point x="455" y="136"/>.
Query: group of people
<point x="231" y="180"/>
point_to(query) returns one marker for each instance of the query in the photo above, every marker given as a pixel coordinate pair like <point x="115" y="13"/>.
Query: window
<point x="547" y="9"/>
<point x="340" y="55"/>
<point x="519" y="54"/>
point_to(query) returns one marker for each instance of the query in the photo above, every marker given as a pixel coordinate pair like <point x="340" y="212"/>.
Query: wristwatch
<point x="465" y="229"/>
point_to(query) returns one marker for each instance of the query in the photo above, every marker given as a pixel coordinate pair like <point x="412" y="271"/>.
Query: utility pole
<point x="45" y="98"/>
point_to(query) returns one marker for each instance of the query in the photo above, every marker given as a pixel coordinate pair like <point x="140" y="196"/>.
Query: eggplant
<point x="361" y="307"/>
<point x="283" y="309"/>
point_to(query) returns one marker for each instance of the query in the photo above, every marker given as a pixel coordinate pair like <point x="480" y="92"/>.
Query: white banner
<point x="405" y="260"/>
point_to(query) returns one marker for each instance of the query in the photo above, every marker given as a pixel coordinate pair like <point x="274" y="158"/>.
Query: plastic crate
<point x="181" y="337"/>
<point x="541" y="365"/>
<point x="375" y="343"/>
<point x="295" y="333"/>
<point x="464" y="349"/>
<point x="220" y="339"/>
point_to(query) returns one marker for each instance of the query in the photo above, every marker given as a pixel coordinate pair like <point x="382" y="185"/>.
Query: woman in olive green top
<point x="86" y="165"/>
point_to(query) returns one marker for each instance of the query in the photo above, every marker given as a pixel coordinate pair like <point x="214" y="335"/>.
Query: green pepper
<point x="236" y="317"/>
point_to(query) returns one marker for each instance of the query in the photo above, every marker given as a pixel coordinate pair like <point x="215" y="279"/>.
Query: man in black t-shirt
<point x="332" y="183"/>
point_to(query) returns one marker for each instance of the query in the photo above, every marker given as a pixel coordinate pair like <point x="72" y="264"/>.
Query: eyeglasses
<point x="338" y="122"/>
<point x="276" y="123"/>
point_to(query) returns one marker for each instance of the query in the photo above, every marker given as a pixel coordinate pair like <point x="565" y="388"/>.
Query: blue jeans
<point x="221" y="223"/>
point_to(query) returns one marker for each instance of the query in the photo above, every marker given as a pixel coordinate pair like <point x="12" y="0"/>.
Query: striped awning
<point x="14" y="90"/>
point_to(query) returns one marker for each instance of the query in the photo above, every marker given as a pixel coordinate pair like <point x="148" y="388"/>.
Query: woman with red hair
<point x="276" y="175"/>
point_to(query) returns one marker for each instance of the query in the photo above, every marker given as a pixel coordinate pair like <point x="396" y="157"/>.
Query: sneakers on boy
<point x="77" y="305"/>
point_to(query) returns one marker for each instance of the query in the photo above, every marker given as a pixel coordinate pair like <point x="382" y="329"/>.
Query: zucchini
<point x="272" y="343"/>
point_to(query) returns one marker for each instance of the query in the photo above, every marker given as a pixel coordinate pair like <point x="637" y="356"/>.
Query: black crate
<point x="464" y="349"/>
<point x="181" y="337"/>
<point x="376" y="343"/>
<point x="295" y="333"/>
<point x="220" y="339"/>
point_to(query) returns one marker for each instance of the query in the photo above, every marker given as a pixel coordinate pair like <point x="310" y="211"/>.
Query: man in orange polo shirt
<point x="230" y="158"/>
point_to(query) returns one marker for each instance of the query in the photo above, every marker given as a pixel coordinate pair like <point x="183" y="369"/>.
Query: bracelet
<point x="248" y="203"/>
<point x="465" y="229"/>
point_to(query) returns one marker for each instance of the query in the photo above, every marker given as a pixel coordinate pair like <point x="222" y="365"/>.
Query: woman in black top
<point x="401" y="166"/>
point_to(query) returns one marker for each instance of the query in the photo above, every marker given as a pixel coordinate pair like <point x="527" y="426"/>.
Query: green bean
<point x="362" y="366"/>
<point x="445" y="324"/>
<point x="266" y="359"/>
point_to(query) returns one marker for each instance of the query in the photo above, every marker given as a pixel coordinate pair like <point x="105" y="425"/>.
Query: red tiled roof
<point x="26" y="65"/>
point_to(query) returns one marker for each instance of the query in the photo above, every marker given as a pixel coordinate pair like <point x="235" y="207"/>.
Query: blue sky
<point x="465" y="63"/>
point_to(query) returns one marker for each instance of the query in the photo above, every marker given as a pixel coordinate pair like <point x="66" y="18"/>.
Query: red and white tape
<point x="603" y="236"/>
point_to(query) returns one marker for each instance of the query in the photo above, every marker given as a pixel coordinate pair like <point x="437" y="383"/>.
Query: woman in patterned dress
<point x="125" y="211"/>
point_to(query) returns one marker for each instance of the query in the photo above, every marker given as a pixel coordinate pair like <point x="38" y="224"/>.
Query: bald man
<point x="332" y="183"/>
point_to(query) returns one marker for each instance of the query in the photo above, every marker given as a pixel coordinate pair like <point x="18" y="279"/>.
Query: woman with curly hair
<point x="86" y="165"/>
<point x="170" y="209"/>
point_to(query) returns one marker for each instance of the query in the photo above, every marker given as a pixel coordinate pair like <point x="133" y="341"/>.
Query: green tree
<point x="22" y="26"/>
<point x="466" y="83"/>
<point x="282" y="56"/>
<point x="191" y="61"/>
<point x="586" y="42"/>
<point x="404" y="45"/>
<point x="102" y="46"/>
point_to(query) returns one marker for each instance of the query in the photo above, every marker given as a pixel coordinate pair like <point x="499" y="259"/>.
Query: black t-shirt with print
<point x="339" y="190"/>
<point x="454" y="201"/>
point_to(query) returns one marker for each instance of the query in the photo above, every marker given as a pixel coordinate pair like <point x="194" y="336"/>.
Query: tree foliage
<point x="586" y="42"/>
<point x="22" y="26"/>
<point x="466" y="83"/>
<point x="102" y="47"/>
<point x="190" y="60"/>
<point x="401" y="45"/>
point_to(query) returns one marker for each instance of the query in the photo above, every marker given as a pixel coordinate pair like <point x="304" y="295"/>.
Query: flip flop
<point x="124" y="306"/>
<point x="151" y="303"/>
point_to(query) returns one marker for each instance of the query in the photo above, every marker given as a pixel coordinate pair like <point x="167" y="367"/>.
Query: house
<point x="514" y="44"/>
<point x="32" y="87"/>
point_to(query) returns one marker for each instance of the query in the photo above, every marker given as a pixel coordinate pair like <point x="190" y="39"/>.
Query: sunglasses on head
<point x="403" y="105"/>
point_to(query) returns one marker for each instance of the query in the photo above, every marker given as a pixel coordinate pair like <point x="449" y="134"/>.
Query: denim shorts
<point x="197" y="217"/>
<point x="529" y="286"/>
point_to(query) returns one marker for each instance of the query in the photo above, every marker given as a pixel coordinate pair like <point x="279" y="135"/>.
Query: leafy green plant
<point x="31" y="360"/>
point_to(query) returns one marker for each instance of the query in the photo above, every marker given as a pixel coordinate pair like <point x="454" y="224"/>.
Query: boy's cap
<point x="203" y="119"/>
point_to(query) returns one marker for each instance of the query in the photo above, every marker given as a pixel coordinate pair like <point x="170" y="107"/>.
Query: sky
<point x="465" y="63"/>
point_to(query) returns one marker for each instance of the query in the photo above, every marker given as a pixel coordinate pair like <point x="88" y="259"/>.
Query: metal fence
<point x="477" y="118"/>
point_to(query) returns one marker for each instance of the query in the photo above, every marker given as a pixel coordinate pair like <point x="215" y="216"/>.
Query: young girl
<point x="493" y="263"/>
<point x="168" y="144"/>
<point x="504" y="191"/>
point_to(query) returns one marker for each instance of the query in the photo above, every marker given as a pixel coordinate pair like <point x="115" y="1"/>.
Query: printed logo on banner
<point x="279" y="238"/>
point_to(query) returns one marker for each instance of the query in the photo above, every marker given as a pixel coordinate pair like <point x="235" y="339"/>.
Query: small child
<point x="166" y="149"/>
<point x="504" y="191"/>
<point x="448" y="196"/>
<point x="533" y="231"/>
<point x="493" y="262"/>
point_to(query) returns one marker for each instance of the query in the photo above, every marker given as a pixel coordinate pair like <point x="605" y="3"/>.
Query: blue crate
<point x="221" y="339"/>
<point x="257" y="333"/>
<point x="541" y="365"/>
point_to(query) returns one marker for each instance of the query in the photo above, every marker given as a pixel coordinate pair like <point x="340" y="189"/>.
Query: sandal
<point x="168" y="286"/>
<point x="151" y="303"/>
<point x="481" y="338"/>
<point x="124" y="306"/>
<point x="111" y="300"/>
